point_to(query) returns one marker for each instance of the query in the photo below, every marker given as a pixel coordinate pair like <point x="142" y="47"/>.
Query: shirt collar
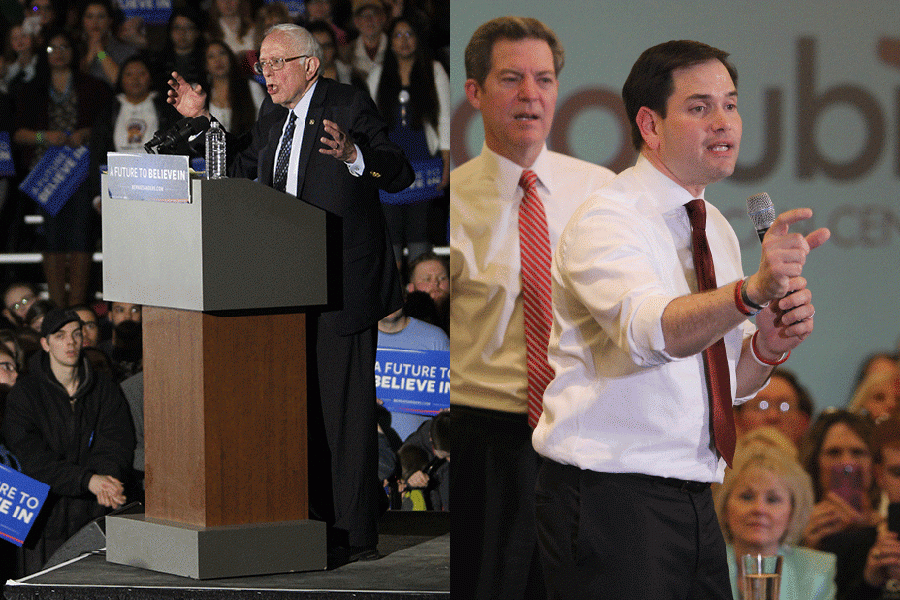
<point x="507" y="173"/>
<point x="666" y="193"/>
<point x="303" y="105"/>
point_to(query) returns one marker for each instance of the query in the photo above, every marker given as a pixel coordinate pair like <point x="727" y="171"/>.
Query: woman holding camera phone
<point x="881" y="571"/>
<point x="838" y="453"/>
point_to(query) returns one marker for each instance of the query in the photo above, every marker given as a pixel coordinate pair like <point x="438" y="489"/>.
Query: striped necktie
<point x="279" y="181"/>
<point x="715" y="359"/>
<point x="534" y="246"/>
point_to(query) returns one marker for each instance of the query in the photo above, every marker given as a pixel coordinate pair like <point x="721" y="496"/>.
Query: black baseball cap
<point x="56" y="319"/>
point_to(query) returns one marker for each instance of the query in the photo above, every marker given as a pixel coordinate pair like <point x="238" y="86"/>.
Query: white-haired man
<point x="337" y="155"/>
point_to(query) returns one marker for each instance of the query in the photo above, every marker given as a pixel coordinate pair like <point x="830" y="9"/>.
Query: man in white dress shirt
<point x="624" y="508"/>
<point x="512" y="66"/>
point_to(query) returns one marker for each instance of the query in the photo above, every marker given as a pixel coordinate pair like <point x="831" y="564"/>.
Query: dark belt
<point x="695" y="487"/>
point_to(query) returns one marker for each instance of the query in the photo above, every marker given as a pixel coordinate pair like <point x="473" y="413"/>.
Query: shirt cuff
<point x="648" y="343"/>
<point x="357" y="167"/>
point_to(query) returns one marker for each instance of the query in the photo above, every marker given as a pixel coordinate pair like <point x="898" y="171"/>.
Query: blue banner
<point x="56" y="177"/>
<point x="296" y="8"/>
<point x="21" y="499"/>
<point x="428" y="177"/>
<point x="413" y="381"/>
<point x="7" y="168"/>
<point x="154" y="12"/>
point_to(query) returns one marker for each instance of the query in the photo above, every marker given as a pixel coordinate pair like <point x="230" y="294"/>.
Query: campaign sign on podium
<point x="156" y="177"/>
<point x="224" y="279"/>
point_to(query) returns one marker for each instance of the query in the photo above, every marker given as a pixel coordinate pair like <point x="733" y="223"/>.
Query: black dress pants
<point x="343" y="434"/>
<point x="493" y="469"/>
<point x="622" y="536"/>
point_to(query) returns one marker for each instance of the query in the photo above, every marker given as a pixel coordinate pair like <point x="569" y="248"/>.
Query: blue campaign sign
<point x="428" y="177"/>
<point x="413" y="381"/>
<point x="7" y="168"/>
<point x="21" y="499"/>
<point x="56" y="177"/>
<point x="154" y="12"/>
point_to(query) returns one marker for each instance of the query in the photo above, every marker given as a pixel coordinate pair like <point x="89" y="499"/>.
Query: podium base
<point x="214" y="552"/>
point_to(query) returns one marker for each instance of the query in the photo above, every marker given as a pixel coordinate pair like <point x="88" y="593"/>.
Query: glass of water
<point x="759" y="577"/>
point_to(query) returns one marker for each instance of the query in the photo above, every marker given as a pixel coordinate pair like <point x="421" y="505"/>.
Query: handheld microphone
<point x="761" y="211"/>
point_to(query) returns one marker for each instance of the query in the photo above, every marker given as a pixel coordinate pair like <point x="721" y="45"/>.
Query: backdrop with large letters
<point x="819" y="86"/>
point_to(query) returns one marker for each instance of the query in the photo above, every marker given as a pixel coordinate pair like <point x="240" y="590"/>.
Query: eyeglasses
<point x="764" y="405"/>
<point x="276" y="64"/>
<point x="404" y="34"/>
<point x="21" y="303"/>
<point x="9" y="367"/>
<point x="57" y="47"/>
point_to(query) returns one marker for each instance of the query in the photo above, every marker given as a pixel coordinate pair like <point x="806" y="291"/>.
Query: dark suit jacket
<point x="369" y="279"/>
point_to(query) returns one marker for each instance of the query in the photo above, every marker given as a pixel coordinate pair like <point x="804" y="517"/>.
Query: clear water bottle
<point x="403" y="99"/>
<point x="215" y="151"/>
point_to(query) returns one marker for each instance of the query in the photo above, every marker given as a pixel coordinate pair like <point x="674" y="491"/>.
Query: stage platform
<point x="415" y="565"/>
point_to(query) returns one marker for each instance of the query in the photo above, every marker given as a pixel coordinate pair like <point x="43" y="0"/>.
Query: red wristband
<point x="760" y="359"/>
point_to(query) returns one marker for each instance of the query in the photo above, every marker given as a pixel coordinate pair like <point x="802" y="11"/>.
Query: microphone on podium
<point x="166" y="141"/>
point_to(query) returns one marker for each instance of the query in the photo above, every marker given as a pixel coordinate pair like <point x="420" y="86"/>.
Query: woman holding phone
<point x="869" y="557"/>
<point x="838" y="453"/>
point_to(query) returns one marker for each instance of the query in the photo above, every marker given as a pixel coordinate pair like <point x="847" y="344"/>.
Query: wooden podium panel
<point x="218" y="453"/>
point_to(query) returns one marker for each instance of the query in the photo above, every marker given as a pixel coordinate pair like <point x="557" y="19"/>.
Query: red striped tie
<point x="534" y="246"/>
<point x="718" y="379"/>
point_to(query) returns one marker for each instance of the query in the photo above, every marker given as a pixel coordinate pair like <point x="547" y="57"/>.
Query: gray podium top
<point x="238" y="245"/>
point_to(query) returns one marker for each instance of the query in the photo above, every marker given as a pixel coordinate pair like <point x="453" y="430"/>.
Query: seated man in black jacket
<point x="70" y="427"/>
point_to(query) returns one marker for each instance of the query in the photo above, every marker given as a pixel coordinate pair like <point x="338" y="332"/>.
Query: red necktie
<point x="717" y="377"/>
<point x="534" y="246"/>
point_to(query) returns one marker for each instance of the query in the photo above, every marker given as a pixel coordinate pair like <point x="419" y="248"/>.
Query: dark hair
<point x="192" y="15"/>
<point x="37" y="310"/>
<point x="887" y="433"/>
<point x="112" y="11"/>
<point x="480" y="47"/>
<point x="804" y="400"/>
<point x="424" y="106"/>
<point x="18" y="353"/>
<point x="412" y="459"/>
<point x="323" y="27"/>
<point x="441" y="431"/>
<point x="88" y="307"/>
<point x="243" y="110"/>
<point x="650" y="81"/>
<point x="42" y="70"/>
<point x="811" y="445"/>
<point x="135" y="58"/>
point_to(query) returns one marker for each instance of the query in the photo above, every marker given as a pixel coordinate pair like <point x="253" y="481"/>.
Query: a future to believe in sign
<point x="152" y="177"/>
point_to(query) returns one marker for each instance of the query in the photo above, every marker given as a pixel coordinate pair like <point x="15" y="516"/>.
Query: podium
<point x="223" y="280"/>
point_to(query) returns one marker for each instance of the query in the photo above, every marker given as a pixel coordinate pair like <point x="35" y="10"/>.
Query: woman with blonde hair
<point x="762" y="506"/>
<point x="878" y="394"/>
